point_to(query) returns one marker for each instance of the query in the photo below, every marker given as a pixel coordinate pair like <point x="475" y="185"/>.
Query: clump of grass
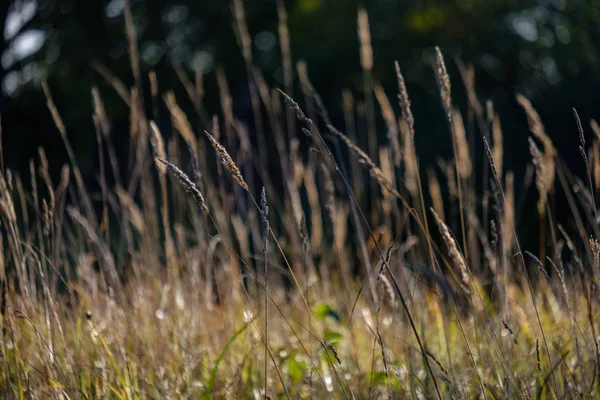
<point x="155" y="302"/>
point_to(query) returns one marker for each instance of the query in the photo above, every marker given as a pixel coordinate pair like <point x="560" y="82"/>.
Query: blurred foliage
<point x="546" y="49"/>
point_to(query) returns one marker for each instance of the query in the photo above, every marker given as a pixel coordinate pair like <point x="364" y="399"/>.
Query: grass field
<point x="314" y="261"/>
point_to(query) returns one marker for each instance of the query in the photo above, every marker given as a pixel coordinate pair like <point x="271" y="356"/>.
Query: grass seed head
<point x="227" y="161"/>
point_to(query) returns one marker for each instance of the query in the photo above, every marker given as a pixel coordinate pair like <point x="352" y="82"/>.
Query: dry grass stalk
<point x="364" y="35"/>
<point x="310" y="272"/>
<point x="158" y="147"/>
<point x="490" y="157"/>
<point x="7" y="208"/>
<point x="586" y="162"/>
<point x="115" y="82"/>
<point x="3" y="279"/>
<point x="264" y="218"/>
<point x="245" y="147"/>
<point x="450" y="173"/>
<point x="443" y="81"/>
<point x="134" y="118"/>
<point x="102" y="123"/>
<point x="54" y="111"/>
<point x="188" y="86"/>
<point x="100" y="248"/>
<point x="134" y="56"/>
<point x="158" y="152"/>
<point x="350" y="129"/>
<point x="225" y="97"/>
<point x="241" y="29"/>
<point x="311" y="97"/>
<point x="543" y="162"/>
<point x="65" y="177"/>
<point x="6" y="202"/>
<point x="540" y="175"/>
<point x="252" y="74"/>
<point x="462" y="146"/>
<point x="348" y="106"/>
<point x="366" y="61"/>
<point x="227" y="161"/>
<point x="579" y="129"/>
<point x="411" y="162"/>
<point x="142" y="139"/>
<point x="242" y="234"/>
<point x="216" y="128"/>
<point x="310" y="183"/>
<point x="276" y="110"/>
<point x="436" y="193"/>
<point x="296" y="163"/>
<point x="386" y="164"/>
<point x="411" y="172"/>
<point x="387" y="167"/>
<point x="329" y="190"/>
<point x="509" y="211"/>
<point x="389" y="289"/>
<point x="390" y="120"/>
<point x="535" y="122"/>
<point x="455" y="255"/>
<point x="284" y="39"/>
<point x="263" y="89"/>
<point x="297" y="174"/>
<point x="100" y="117"/>
<point x="133" y="211"/>
<point x="595" y="248"/>
<point x="497" y="151"/>
<point x="189" y="186"/>
<point x="365" y="160"/>
<point x="595" y="161"/>
<point x="595" y="128"/>
<point x="292" y="105"/>
<point x="63" y="133"/>
<point x="489" y="249"/>
<point x="50" y="208"/>
<point x="34" y="185"/>
<point x="44" y="173"/>
<point x="467" y="73"/>
<point x="404" y="101"/>
<point x="340" y="225"/>
<point x="180" y="122"/>
<point x="286" y="55"/>
<point x="154" y="91"/>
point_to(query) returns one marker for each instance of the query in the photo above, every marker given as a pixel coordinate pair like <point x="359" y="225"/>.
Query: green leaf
<point x="377" y="378"/>
<point x="332" y="337"/>
<point x="296" y="370"/>
<point x="323" y="310"/>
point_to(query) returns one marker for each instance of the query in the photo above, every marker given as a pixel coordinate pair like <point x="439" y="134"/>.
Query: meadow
<point x="308" y="261"/>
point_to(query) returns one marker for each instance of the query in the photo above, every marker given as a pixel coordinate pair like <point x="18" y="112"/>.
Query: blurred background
<point x="545" y="49"/>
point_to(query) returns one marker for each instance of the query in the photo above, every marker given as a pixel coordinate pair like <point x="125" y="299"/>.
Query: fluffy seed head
<point x="189" y="186"/>
<point x="404" y="101"/>
<point x="443" y="80"/>
<point x="227" y="161"/>
<point x="455" y="255"/>
<point x="264" y="216"/>
<point x="292" y="105"/>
